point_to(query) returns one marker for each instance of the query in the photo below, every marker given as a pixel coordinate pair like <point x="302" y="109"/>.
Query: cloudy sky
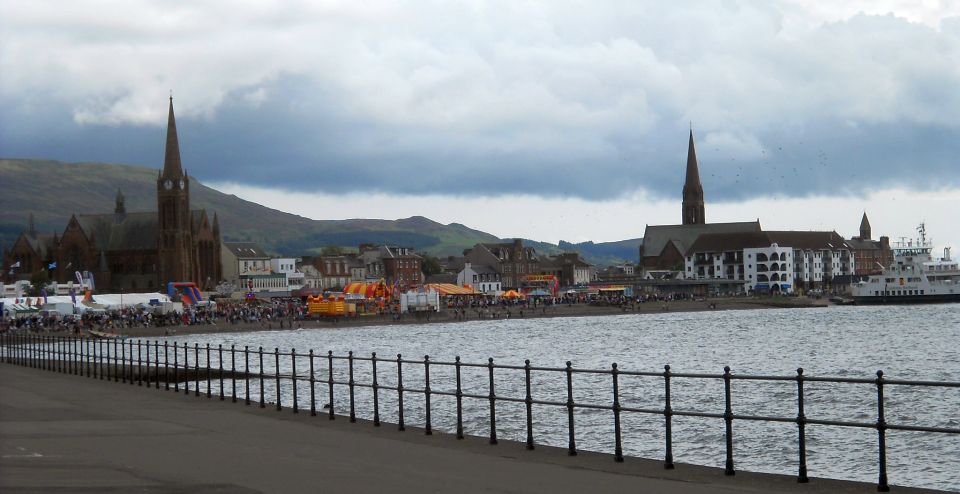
<point x="548" y="120"/>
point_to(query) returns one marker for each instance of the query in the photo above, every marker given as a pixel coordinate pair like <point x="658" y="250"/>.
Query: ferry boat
<point x="914" y="277"/>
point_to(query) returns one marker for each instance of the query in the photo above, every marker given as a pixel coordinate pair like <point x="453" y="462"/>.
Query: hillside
<point x="54" y="190"/>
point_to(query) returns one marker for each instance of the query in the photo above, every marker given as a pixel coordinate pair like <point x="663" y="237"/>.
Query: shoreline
<point x="547" y="312"/>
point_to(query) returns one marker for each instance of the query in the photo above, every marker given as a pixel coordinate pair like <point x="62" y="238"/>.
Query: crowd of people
<point x="277" y="312"/>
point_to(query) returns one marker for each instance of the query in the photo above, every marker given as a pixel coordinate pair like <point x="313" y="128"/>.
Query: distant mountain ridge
<point x="54" y="190"/>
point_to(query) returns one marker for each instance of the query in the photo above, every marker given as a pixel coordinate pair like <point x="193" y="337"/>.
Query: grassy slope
<point x="53" y="190"/>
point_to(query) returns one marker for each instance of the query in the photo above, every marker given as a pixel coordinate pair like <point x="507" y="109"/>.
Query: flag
<point x="15" y="265"/>
<point x="43" y="293"/>
<point x="52" y="265"/>
<point x="73" y="296"/>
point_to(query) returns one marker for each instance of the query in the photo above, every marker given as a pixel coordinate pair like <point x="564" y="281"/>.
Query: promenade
<point x="65" y="433"/>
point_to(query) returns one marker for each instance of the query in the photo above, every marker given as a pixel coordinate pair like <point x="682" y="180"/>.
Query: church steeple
<point x="176" y="246"/>
<point x="865" y="227"/>
<point x="693" y="207"/>
<point x="172" y="169"/>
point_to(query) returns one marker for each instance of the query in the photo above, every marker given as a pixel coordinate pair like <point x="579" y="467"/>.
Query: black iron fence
<point x="206" y="370"/>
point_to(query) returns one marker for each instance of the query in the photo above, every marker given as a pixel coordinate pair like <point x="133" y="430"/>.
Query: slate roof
<point x="42" y="243"/>
<point x="482" y="269"/>
<point x="656" y="237"/>
<point x="128" y="231"/>
<point x="722" y="242"/>
<point x="809" y="240"/>
<point x="246" y="250"/>
<point x="860" y="244"/>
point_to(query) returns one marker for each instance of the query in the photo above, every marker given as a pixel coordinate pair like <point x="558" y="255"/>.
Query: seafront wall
<point x="486" y="395"/>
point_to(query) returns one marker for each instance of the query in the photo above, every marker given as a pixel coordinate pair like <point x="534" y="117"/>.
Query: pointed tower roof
<point x="216" y="225"/>
<point x="864" y="223"/>
<point x="693" y="170"/>
<point x="171" y="159"/>
<point x="31" y="227"/>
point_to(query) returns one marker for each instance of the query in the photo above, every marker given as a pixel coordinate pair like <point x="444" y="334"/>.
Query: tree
<point x="38" y="280"/>
<point x="331" y="250"/>
<point x="430" y="266"/>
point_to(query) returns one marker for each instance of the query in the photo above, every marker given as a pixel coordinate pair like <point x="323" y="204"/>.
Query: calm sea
<point x="906" y="342"/>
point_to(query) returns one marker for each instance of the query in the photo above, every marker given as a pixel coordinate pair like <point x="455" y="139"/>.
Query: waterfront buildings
<point x="511" y="259"/>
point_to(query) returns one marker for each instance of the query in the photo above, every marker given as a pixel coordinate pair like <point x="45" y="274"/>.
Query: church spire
<point x="865" y="227"/>
<point x="171" y="159"/>
<point x="693" y="207"/>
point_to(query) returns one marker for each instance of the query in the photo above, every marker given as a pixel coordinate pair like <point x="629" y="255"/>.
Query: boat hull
<point x="907" y="299"/>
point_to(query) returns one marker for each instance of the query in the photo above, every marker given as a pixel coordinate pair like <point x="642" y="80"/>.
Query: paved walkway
<point x="64" y="433"/>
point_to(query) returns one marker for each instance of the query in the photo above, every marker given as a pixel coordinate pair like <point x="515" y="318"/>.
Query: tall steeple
<point x="865" y="227"/>
<point x="175" y="242"/>
<point x="693" y="208"/>
<point x="172" y="168"/>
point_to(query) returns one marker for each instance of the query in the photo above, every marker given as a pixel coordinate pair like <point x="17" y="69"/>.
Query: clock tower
<point x="173" y="208"/>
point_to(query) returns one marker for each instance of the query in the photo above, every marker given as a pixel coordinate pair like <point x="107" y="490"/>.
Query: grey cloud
<point x="507" y="99"/>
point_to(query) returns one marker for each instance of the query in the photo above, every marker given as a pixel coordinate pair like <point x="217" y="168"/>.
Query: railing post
<point x="618" y="445"/>
<point x="667" y="420"/>
<point x="115" y="358"/>
<point x="123" y="358"/>
<point x="146" y="369"/>
<point x="493" y="404"/>
<point x="276" y="367"/>
<point x="186" y="369"/>
<point x="313" y="397"/>
<point x="428" y="426"/>
<point x="166" y="367"/>
<point x="293" y="377"/>
<point x="220" y="367"/>
<point x="176" y="365"/>
<point x="88" y="345"/>
<point x="156" y="354"/>
<point x="330" y="414"/>
<point x="801" y="430"/>
<point x="728" y="419"/>
<point x="400" y="424"/>
<point x="99" y="360"/>
<point x="459" y="400"/>
<point x="140" y="363"/>
<point x="209" y="394"/>
<point x="246" y="374"/>
<point x="196" y="369"/>
<point x="260" y="352"/>
<point x="572" y="446"/>
<point x="376" y="391"/>
<point x="528" y="400"/>
<point x="353" y="416"/>
<point x="131" y="359"/>
<point x="882" y="485"/>
<point x="233" y="373"/>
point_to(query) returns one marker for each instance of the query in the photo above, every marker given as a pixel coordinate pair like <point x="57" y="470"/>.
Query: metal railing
<point x="169" y="365"/>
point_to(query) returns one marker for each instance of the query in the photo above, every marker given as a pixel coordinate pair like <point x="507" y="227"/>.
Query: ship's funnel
<point x="946" y="253"/>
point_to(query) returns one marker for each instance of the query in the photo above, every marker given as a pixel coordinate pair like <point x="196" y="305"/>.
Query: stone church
<point x="132" y="252"/>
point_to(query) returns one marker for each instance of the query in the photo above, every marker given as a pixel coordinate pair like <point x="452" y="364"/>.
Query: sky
<point x="545" y="120"/>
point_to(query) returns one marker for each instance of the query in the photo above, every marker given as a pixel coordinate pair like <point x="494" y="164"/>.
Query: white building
<point x="288" y="267"/>
<point x="779" y="262"/>
<point x="483" y="279"/>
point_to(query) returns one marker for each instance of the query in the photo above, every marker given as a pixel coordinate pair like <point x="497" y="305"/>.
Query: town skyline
<point x="543" y="122"/>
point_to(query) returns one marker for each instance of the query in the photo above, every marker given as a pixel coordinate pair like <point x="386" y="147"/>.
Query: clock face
<point x="181" y="183"/>
<point x="168" y="184"/>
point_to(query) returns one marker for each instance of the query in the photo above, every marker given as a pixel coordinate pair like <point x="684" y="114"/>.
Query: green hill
<point x="54" y="190"/>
